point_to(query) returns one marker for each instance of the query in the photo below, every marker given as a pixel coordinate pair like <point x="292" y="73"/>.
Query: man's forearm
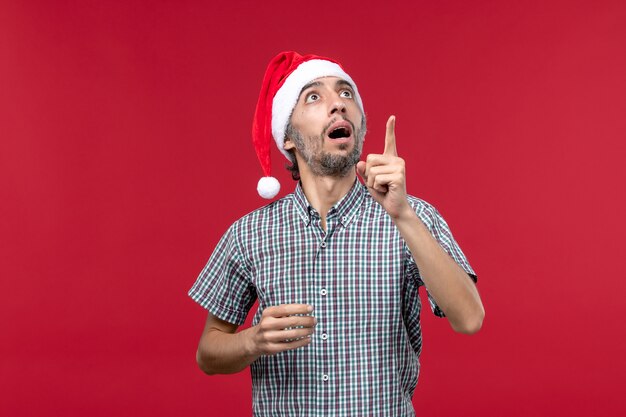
<point x="225" y="353"/>
<point x="447" y="282"/>
<point x="283" y="327"/>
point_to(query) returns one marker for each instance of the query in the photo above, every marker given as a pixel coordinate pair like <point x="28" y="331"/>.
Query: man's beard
<point x="325" y="164"/>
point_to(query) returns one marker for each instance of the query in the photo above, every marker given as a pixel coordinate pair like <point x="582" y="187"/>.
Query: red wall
<point x="125" y="153"/>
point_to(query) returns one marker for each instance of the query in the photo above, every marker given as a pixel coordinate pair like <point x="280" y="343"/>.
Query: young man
<point x="336" y="265"/>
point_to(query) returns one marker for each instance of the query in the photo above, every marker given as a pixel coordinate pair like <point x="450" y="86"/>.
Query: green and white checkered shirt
<point x="363" y="283"/>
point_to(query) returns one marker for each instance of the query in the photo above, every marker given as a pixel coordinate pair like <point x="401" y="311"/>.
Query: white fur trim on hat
<point x="286" y="97"/>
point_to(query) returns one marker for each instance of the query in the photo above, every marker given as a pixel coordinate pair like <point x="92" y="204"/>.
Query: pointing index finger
<point x="390" y="137"/>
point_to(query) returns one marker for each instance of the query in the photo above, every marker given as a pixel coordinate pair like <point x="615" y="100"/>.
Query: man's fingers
<point x="285" y="310"/>
<point x="382" y="175"/>
<point x="295" y="321"/>
<point x="376" y="160"/>
<point x="282" y="336"/>
<point x="390" y="137"/>
<point x="381" y="182"/>
<point x="285" y="327"/>
<point x="278" y="347"/>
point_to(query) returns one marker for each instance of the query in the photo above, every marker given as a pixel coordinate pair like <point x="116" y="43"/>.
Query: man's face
<point x="327" y="127"/>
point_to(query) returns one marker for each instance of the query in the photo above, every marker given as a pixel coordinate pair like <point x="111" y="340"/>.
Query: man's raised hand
<point x="384" y="175"/>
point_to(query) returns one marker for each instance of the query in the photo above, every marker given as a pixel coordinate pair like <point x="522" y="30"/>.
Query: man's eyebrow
<point x="343" y="83"/>
<point x="309" y="85"/>
<point x="339" y="83"/>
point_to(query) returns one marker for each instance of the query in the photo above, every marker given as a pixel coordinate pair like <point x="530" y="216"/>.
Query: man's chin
<point x="334" y="165"/>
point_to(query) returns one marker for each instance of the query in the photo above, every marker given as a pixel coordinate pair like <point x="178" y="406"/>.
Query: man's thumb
<point x="360" y="169"/>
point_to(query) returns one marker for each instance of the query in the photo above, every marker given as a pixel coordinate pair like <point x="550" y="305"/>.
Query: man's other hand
<point x="283" y="327"/>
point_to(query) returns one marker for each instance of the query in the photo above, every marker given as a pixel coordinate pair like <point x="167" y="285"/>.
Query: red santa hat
<point x="286" y="75"/>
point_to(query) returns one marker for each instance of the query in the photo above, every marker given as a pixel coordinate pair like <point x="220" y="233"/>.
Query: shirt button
<point x="323" y="291"/>
<point x="323" y="244"/>
<point x="324" y="336"/>
<point x="344" y="219"/>
<point x="324" y="378"/>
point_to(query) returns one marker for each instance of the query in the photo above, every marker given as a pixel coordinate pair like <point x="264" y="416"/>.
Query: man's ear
<point x="288" y="145"/>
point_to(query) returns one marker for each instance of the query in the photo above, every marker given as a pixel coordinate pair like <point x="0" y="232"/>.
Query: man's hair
<point x="293" y="167"/>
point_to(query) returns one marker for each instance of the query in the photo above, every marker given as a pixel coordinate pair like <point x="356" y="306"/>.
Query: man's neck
<point x="324" y="192"/>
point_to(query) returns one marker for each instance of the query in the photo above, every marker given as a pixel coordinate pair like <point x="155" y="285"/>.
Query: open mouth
<point x="340" y="130"/>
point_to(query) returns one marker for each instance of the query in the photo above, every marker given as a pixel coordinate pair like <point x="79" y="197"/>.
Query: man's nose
<point x="337" y="105"/>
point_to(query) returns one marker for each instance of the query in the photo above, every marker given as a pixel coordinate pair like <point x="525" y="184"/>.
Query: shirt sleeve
<point x="224" y="286"/>
<point x="441" y="232"/>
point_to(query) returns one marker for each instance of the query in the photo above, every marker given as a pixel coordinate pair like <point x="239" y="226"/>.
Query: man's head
<point x="326" y="128"/>
<point x="288" y="98"/>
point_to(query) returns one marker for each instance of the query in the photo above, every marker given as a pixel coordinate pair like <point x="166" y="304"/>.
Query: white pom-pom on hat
<point x="285" y="76"/>
<point x="268" y="187"/>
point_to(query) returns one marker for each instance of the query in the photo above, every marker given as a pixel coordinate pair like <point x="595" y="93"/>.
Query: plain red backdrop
<point x="125" y="153"/>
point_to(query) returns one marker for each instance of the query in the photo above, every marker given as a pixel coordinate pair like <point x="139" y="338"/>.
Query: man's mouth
<point x="340" y="130"/>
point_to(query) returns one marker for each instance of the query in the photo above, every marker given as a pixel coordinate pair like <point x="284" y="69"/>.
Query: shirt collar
<point x="345" y="210"/>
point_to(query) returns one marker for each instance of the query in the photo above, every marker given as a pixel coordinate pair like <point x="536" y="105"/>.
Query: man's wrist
<point x="405" y="213"/>
<point x="248" y="344"/>
<point x="409" y="223"/>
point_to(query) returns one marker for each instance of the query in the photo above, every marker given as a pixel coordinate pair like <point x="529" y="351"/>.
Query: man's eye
<point x="312" y="97"/>
<point x="346" y="94"/>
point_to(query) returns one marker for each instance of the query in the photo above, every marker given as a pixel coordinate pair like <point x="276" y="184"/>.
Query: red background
<point x="125" y="153"/>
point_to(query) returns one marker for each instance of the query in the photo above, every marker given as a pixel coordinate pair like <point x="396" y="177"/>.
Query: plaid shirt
<point x="363" y="283"/>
